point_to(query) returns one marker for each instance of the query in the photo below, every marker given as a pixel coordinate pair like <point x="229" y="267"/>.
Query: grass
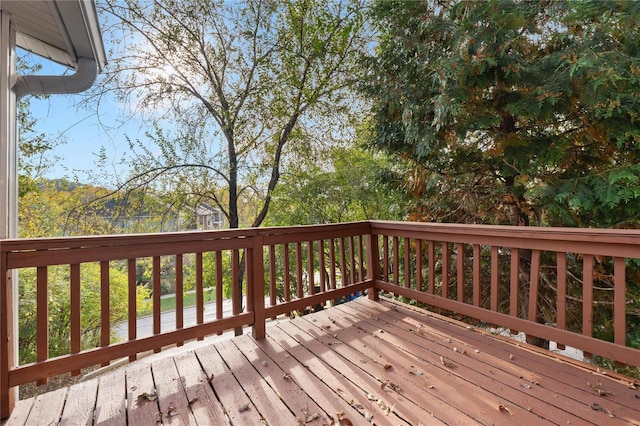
<point x="189" y="299"/>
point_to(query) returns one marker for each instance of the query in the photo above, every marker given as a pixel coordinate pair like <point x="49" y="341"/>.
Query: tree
<point x="345" y="185"/>
<point x="514" y="112"/>
<point x="234" y="90"/>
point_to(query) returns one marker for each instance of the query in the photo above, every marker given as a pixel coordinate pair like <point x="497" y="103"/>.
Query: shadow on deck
<point x="362" y="362"/>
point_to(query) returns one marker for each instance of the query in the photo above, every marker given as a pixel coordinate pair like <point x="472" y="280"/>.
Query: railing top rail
<point x="112" y="241"/>
<point x="605" y="242"/>
<point x="533" y="232"/>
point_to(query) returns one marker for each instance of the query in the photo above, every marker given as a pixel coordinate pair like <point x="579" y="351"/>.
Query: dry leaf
<point x="287" y="377"/>
<point x="340" y="420"/>
<point x="371" y="397"/>
<point x="171" y="410"/>
<point x="599" y="388"/>
<point x="263" y="362"/>
<point x="390" y="385"/>
<point x="158" y="416"/>
<point x="632" y="386"/>
<point x="445" y="363"/>
<point x="382" y="405"/>
<point x="368" y="416"/>
<point x="144" y="397"/>
<point x="511" y="356"/>
<point x="504" y="409"/>
<point x="312" y="417"/>
<point x="598" y="407"/>
<point x="387" y="366"/>
<point x="243" y="408"/>
<point x="191" y="401"/>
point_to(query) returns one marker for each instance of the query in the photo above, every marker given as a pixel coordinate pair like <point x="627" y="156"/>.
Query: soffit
<point x="62" y="31"/>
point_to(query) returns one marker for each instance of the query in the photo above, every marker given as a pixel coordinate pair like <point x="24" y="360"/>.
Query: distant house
<point x="203" y="217"/>
<point x="208" y="217"/>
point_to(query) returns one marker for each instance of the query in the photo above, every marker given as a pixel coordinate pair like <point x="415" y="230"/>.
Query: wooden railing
<point x="540" y="281"/>
<point x="544" y="282"/>
<point x="282" y="263"/>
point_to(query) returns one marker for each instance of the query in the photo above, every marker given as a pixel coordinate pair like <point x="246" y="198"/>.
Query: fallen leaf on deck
<point x="511" y="356"/>
<point x="287" y="377"/>
<point x="387" y="366"/>
<point x="597" y="407"/>
<point x="263" y="362"/>
<point x="243" y="408"/>
<point x="191" y="401"/>
<point x="447" y="340"/>
<point x="368" y="416"/>
<point x="382" y="405"/>
<point x="390" y="385"/>
<point x="171" y="410"/>
<point x="504" y="409"/>
<point x="445" y="363"/>
<point x="599" y="388"/>
<point x="340" y="420"/>
<point x="312" y="417"/>
<point x="145" y="396"/>
<point x="371" y="397"/>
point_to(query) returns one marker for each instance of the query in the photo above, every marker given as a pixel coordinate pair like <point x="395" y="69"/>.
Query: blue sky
<point x="80" y="128"/>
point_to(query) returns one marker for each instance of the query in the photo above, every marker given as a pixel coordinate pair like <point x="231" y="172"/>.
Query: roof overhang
<point x="63" y="31"/>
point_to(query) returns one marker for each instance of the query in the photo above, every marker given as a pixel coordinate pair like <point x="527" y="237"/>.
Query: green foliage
<point x="59" y="307"/>
<point x="341" y="186"/>
<point x="511" y="112"/>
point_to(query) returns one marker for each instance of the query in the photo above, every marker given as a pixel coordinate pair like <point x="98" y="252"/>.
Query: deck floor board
<point x="427" y="369"/>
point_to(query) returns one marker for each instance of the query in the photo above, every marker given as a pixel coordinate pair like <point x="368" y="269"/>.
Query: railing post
<point x="255" y="282"/>
<point x="373" y="264"/>
<point x="8" y="395"/>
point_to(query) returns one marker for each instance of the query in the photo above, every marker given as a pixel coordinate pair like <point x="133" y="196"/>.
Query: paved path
<point x="168" y="319"/>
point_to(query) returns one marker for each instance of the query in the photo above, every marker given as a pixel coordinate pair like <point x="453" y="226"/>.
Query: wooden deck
<point x="362" y="362"/>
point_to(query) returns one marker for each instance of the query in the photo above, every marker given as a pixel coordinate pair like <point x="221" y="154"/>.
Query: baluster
<point x="75" y="312"/>
<point x="133" y="314"/>
<point x="476" y="274"/>
<point x="179" y="294"/>
<point x="561" y="305"/>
